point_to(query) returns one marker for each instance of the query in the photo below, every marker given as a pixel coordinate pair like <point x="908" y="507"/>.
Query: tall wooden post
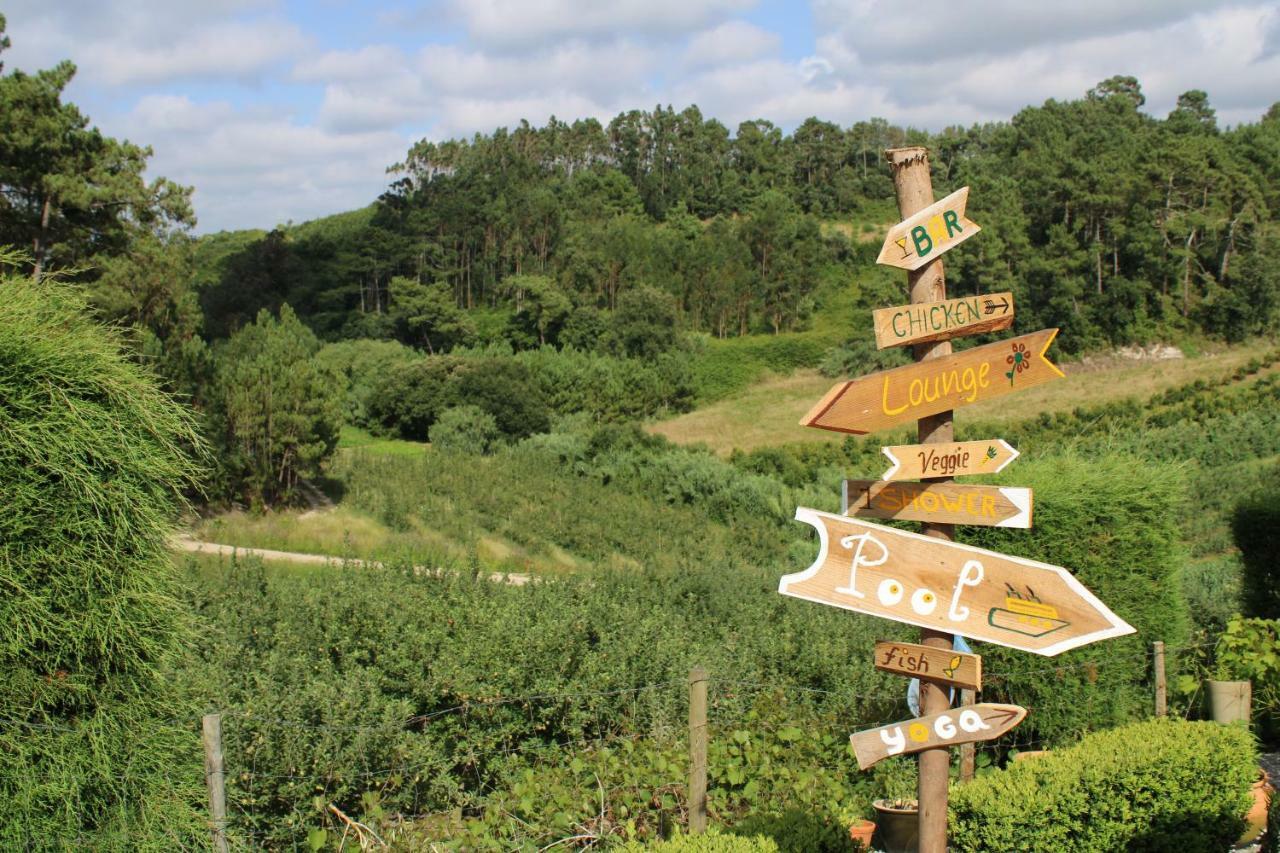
<point x="1162" y="707"/>
<point x="911" y="181"/>
<point x="211" y="726"/>
<point x="697" y="750"/>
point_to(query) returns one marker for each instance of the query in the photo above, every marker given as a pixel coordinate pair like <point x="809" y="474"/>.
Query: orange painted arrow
<point x="923" y="236"/>
<point x="891" y="397"/>
<point x="984" y="721"/>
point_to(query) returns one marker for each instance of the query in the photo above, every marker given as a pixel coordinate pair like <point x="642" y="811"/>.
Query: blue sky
<point x="279" y="111"/>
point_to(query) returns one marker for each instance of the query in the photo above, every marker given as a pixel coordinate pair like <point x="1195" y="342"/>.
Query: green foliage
<point x="93" y="463"/>
<point x="427" y="315"/>
<point x="363" y="363"/>
<point x="709" y="842"/>
<point x="1249" y="650"/>
<point x="1151" y="786"/>
<point x="644" y="323"/>
<point x="275" y="411"/>
<point x="725" y="366"/>
<point x="1256" y="528"/>
<point x="859" y="357"/>
<point x="1119" y="535"/>
<point x="465" y="429"/>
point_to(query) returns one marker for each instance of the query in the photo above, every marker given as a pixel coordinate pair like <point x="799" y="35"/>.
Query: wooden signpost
<point x="928" y="580"/>
<point x="984" y="721"/>
<point x="947" y="503"/>
<point x="955" y="459"/>
<point x="959" y="589"/>
<point x="925" y="235"/>
<point x="954" y="669"/>
<point x="890" y="397"/>
<point x="937" y="321"/>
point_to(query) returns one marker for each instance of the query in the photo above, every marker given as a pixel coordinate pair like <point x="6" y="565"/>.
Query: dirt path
<point x="195" y="546"/>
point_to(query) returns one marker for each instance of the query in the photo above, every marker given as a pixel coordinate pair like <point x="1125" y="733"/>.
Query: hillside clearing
<point x="768" y="413"/>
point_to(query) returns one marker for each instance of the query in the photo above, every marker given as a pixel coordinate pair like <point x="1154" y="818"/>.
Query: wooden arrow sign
<point x="890" y="397"/>
<point x="938" y="321"/>
<point x="941" y="503"/>
<point x="923" y="236"/>
<point x="934" y="583"/>
<point x="955" y="669"/>
<point x="984" y="721"/>
<point x="953" y="459"/>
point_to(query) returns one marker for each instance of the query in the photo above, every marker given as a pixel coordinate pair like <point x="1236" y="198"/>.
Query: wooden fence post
<point x="211" y="727"/>
<point x="1162" y="707"/>
<point x="914" y="190"/>
<point x="967" y="755"/>
<point x="697" y="750"/>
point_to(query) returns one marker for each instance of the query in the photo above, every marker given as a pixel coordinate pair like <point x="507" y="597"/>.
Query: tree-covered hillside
<point x="1105" y="221"/>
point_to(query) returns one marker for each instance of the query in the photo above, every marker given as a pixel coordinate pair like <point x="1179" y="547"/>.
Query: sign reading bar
<point x="943" y="585"/>
<point x="941" y="503"/>
<point x="943" y="666"/>
<point x="984" y="721"/>
<point x="891" y="397"/>
<point x="921" y="322"/>
<point x="923" y="236"/>
<point x="950" y="459"/>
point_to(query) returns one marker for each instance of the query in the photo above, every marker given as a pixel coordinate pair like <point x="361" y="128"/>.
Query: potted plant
<point x="898" y="811"/>
<point x="860" y="832"/>
<point x="1236" y="656"/>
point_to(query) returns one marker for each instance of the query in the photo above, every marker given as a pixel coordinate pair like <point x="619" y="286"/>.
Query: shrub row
<point x="1153" y="786"/>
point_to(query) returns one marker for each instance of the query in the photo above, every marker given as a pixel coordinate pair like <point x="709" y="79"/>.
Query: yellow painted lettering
<point x="982" y="375"/>
<point x="988" y="506"/>
<point x="916" y="392"/>
<point x="884" y="401"/>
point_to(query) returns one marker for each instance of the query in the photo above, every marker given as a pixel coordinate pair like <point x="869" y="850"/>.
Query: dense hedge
<point x="1153" y="786"/>
<point x="93" y="458"/>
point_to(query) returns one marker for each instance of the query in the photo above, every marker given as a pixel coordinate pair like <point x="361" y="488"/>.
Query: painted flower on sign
<point x="1018" y="361"/>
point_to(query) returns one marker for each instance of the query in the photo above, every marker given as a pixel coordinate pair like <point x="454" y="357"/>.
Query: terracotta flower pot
<point x="897" y="829"/>
<point x="1256" y="818"/>
<point x="861" y="832"/>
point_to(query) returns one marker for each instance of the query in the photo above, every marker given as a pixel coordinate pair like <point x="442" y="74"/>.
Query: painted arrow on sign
<point x="941" y="503"/>
<point x="890" y="397"/>
<point x="935" y="583"/>
<point x="921" y="322"/>
<point x="923" y="236"/>
<point x="984" y="721"/>
<point x="953" y="459"/>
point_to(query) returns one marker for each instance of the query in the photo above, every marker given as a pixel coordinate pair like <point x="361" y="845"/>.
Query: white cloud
<point x="524" y="23"/>
<point x="370" y="62"/>
<point x="224" y="50"/>
<point x="257" y="168"/>
<point x="730" y="42"/>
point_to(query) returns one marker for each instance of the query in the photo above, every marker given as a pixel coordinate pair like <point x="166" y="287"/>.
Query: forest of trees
<point x="616" y="241"/>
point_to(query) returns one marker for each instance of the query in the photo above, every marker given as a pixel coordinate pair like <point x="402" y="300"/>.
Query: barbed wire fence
<point x="238" y="789"/>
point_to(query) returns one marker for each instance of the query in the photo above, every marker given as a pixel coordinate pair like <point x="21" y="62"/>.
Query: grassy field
<point x="768" y="413"/>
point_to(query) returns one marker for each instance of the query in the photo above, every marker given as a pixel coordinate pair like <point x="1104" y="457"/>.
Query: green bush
<point x="363" y="363"/>
<point x="93" y="463"/>
<point x="1256" y="527"/>
<point x="1119" y="535"/>
<point x="466" y="429"/>
<point x="1153" y="786"/>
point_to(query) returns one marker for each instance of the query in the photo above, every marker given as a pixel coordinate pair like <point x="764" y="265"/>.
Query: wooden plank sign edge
<point x="953" y="727"/>
<point x="893" y="452"/>
<point x="967" y="555"/>
<point x="970" y="504"/>
<point x="924" y="315"/>
<point x="963" y="374"/>
<point x="952" y="668"/>
<point x="900" y="233"/>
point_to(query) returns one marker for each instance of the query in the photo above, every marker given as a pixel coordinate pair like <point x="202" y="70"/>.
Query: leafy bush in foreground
<point x="92" y="464"/>
<point x="1153" y="786"/>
